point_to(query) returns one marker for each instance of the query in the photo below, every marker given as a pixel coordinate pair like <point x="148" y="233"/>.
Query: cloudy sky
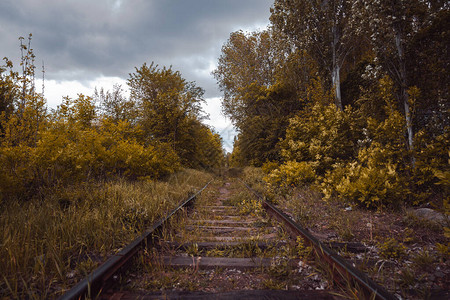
<point x="96" y="43"/>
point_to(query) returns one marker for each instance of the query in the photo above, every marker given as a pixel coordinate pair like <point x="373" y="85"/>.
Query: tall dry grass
<point x="48" y="244"/>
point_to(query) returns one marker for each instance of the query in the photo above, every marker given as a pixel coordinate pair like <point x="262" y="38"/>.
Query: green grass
<point x="49" y="244"/>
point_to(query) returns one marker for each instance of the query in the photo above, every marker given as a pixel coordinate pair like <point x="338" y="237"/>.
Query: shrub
<point x="70" y="154"/>
<point x="290" y="174"/>
<point x="391" y="249"/>
<point x="252" y="175"/>
<point x="269" y="166"/>
<point x="378" y="176"/>
<point x="431" y="175"/>
<point x="373" y="181"/>
<point x="323" y="136"/>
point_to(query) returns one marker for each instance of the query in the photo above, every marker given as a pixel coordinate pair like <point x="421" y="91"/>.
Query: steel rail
<point x="92" y="285"/>
<point x="342" y="268"/>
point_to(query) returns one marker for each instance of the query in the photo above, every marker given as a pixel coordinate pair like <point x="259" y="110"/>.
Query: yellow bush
<point x="391" y="249"/>
<point x="269" y="166"/>
<point x="290" y="174"/>
<point x="431" y="175"/>
<point x="378" y="175"/>
<point x="372" y="181"/>
<point x="323" y="136"/>
<point x="71" y="152"/>
<point x="15" y="176"/>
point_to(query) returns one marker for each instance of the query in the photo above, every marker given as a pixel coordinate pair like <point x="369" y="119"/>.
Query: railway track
<point x="229" y="243"/>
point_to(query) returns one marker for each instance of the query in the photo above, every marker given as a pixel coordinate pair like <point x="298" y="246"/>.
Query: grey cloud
<point x="84" y="39"/>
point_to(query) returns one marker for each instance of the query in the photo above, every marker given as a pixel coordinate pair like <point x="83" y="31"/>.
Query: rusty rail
<point x="343" y="272"/>
<point x="93" y="284"/>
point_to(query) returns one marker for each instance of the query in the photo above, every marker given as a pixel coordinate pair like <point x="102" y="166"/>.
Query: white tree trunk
<point x="403" y="91"/>
<point x="336" y="80"/>
<point x="335" y="73"/>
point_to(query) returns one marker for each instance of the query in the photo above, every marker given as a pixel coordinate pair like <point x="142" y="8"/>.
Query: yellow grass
<point x="47" y="245"/>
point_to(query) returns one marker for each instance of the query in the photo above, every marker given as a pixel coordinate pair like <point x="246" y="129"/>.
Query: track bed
<point x="225" y="247"/>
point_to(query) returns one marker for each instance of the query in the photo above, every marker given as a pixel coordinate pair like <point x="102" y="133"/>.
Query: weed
<point x="303" y="252"/>
<point x="188" y="285"/>
<point x="251" y="207"/>
<point x="413" y="221"/>
<point x="391" y="249"/>
<point x="248" y="248"/>
<point x="192" y="249"/>
<point x="253" y="177"/>
<point x="279" y="267"/>
<point x="423" y="260"/>
<point x="272" y="284"/>
<point x="408" y="235"/>
<point x="162" y="282"/>
<point x="346" y="232"/>
<point x="86" y="266"/>
<point x="444" y="250"/>
<point x="407" y="278"/>
<point x="216" y="252"/>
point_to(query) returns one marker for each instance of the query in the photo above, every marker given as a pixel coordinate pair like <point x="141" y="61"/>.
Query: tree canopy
<point x="354" y="91"/>
<point x="155" y="132"/>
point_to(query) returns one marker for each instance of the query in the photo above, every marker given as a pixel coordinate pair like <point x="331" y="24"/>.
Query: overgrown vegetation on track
<point x="400" y="250"/>
<point x="79" y="182"/>
<point x="50" y="244"/>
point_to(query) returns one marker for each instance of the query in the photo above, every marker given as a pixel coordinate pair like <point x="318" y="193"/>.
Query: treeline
<point x="351" y="96"/>
<point x="153" y="133"/>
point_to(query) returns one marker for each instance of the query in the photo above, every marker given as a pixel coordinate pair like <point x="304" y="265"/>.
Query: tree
<point x="205" y="149"/>
<point x="247" y="61"/>
<point x="80" y="111"/>
<point x="115" y="106"/>
<point x="261" y="82"/>
<point x="392" y="25"/>
<point x="167" y="102"/>
<point x="23" y="111"/>
<point x="427" y="58"/>
<point x="8" y="89"/>
<point x="170" y="112"/>
<point x="322" y="28"/>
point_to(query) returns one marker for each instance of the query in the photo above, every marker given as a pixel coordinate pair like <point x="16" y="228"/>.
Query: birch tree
<point x="391" y="27"/>
<point x="322" y="28"/>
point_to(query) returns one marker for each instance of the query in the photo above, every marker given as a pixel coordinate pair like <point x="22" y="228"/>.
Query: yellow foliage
<point x="69" y="149"/>
<point x="303" y="251"/>
<point x="39" y="151"/>
<point x="323" y="136"/>
<point x="250" y="206"/>
<point x="373" y="180"/>
<point x="290" y="174"/>
<point x="431" y="174"/>
<point x="391" y="249"/>
<point x="269" y="166"/>
<point x="377" y="175"/>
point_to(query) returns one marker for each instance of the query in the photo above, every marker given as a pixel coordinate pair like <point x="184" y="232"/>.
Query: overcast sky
<point x="96" y="43"/>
